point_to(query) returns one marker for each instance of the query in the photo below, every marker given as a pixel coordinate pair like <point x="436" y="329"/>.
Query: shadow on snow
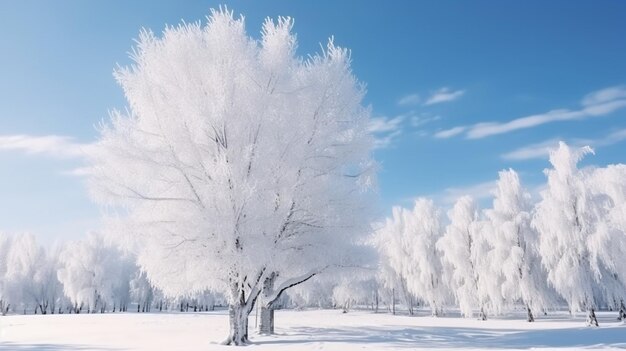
<point x="50" y="347"/>
<point x="456" y="337"/>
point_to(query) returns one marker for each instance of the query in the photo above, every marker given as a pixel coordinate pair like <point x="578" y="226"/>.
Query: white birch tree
<point x="395" y="257"/>
<point x="462" y="247"/>
<point x="514" y="254"/>
<point x="566" y="217"/>
<point x="424" y="275"/>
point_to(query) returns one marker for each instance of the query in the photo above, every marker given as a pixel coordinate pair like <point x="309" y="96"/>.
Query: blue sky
<point x="459" y="90"/>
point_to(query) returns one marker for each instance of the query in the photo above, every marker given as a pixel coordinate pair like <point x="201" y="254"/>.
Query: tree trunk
<point x="376" y="297"/>
<point x="238" y="321"/>
<point x="622" y="312"/>
<point x="591" y="318"/>
<point x="393" y="301"/>
<point x="266" y="327"/>
<point x="482" y="315"/>
<point x="530" y="317"/>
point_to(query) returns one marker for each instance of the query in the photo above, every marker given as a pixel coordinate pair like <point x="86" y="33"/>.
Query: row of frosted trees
<point x="89" y="275"/>
<point x="567" y="248"/>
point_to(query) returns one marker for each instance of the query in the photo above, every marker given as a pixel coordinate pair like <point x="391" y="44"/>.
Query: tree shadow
<point x="456" y="337"/>
<point x="10" y="346"/>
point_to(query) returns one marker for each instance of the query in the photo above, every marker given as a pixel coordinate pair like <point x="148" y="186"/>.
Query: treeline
<point x="565" y="248"/>
<point x="85" y="276"/>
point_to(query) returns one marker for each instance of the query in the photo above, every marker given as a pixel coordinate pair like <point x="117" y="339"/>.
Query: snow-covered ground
<point x="305" y="330"/>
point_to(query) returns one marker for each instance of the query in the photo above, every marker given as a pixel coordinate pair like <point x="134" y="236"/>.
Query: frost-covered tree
<point x="239" y="164"/>
<point x="353" y="291"/>
<point x="424" y="276"/>
<point x="607" y="244"/>
<point x="396" y="260"/>
<point x="141" y="291"/>
<point x="463" y="250"/>
<point x="566" y="219"/>
<point x="28" y="281"/>
<point x="514" y="256"/>
<point x="95" y="275"/>
<point x="28" y="274"/>
<point x="5" y="245"/>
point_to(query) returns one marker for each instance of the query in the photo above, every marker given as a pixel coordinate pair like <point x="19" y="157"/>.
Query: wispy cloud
<point x="478" y="191"/>
<point x="448" y="133"/>
<point x="532" y="151"/>
<point x="410" y="99"/>
<point x="385" y="130"/>
<point x="542" y="150"/>
<point x="420" y="120"/>
<point x="595" y="104"/>
<point x="444" y="94"/>
<point x="384" y="124"/>
<point x="604" y="95"/>
<point x="48" y="145"/>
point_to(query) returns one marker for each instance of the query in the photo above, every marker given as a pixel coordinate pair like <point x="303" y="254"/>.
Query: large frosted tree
<point x="567" y="218"/>
<point x="513" y="255"/>
<point x="238" y="164"/>
<point x="608" y="243"/>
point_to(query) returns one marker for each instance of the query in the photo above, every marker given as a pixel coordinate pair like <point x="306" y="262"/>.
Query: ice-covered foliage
<point x="608" y="242"/>
<point x="424" y="277"/>
<point x="462" y="247"/>
<point x="236" y="159"/>
<point x="95" y="275"/>
<point x="395" y="258"/>
<point x="567" y="218"/>
<point x="141" y="291"/>
<point x="28" y="282"/>
<point x="409" y="260"/>
<point x="25" y="271"/>
<point x="30" y="277"/>
<point x="5" y="246"/>
<point x="518" y="275"/>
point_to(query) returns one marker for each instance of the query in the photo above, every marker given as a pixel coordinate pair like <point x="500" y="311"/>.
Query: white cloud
<point x="385" y="130"/>
<point x="595" y="104"/>
<point x="448" y="133"/>
<point x="420" y="120"/>
<point x="478" y="191"/>
<point x="604" y="95"/>
<point x="386" y="140"/>
<point x="444" y="95"/>
<point x="542" y="149"/>
<point x="384" y="124"/>
<point x="532" y="151"/>
<point x="48" y="145"/>
<point x="411" y="99"/>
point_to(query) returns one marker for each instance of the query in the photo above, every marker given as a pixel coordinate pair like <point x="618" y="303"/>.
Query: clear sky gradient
<point x="451" y="84"/>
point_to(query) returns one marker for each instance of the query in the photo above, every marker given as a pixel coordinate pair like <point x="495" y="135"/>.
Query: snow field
<point x="307" y="330"/>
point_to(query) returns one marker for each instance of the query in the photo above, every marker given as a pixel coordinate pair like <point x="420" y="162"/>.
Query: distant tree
<point x="5" y="245"/>
<point x="424" y="276"/>
<point x="241" y="166"/>
<point x="141" y="291"/>
<point x="463" y="248"/>
<point x="396" y="257"/>
<point x="29" y="274"/>
<point x="95" y="275"/>
<point x="513" y="254"/>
